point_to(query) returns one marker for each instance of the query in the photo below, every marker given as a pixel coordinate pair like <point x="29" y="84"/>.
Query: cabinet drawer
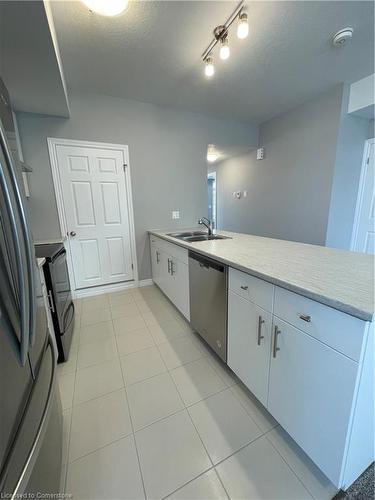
<point x="336" y="329"/>
<point x="258" y="291"/>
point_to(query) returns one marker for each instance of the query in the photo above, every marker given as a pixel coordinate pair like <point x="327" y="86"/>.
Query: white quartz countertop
<point x="338" y="278"/>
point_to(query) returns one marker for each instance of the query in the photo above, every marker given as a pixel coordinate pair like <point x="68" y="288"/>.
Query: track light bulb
<point x="209" y="69"/>
<point x="243" y="27"/>
<point x="224" y="49"/>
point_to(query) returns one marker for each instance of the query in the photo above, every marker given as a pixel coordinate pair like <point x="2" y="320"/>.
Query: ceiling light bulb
<point x="212" y="155"/>
<point x="107" y="7"/>
<point x="209" y="69"/>
<point x="243" y="27"/>
<point x="224" y="49"/>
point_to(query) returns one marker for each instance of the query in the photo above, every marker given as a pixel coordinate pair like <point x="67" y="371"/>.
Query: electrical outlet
<point x="260" y="153"/>
<point x="175" y="214"/>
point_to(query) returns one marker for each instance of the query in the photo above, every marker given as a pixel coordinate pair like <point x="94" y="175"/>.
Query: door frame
<point x="52" y="143"/>
<point x="361" y="188"/>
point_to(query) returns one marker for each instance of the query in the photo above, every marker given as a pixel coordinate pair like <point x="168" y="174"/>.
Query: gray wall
<point x="288" y="193"/>
<point x="353" y="132"/>
<point x="167" y="150"/>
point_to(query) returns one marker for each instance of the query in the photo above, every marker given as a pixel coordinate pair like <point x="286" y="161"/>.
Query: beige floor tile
<point x="205" y="487"/>
<point x="313" y="479"/>
<point x="94" y="353"/>
<point x="179" y="352"/>
<point x="258" y="472"/>
<point x="96" y="333"/>
<point x="111" y="472"/>
<point x="94" y="303"/>
<point x="142" y="365"/>
<point x="134" y="341"/>
<point x="124" y="310"/>
<point x="224" y="372"/>
<point x="166" y="331"/>
<point x="66" y="385"/>
<point x="70" y="365"/>
<point x="99" y="422"/>
<point x="223" y="425"/>
<point x="126" y="325"/>
<point x="171" y="454"/>
<point x="153" y="399"/>
<point x="121" y="299"/>
<point x="98" y="380"/>
<point x="95" y="316"/>
<point x="255" y="409"/>
<point x="196" y="381"/>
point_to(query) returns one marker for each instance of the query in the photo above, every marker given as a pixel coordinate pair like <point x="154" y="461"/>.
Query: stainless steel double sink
<point x="192" y="236"/>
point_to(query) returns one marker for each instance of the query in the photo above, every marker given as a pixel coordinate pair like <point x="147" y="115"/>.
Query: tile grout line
<point x="133" y="434"/>
<point x="288" y="465"/>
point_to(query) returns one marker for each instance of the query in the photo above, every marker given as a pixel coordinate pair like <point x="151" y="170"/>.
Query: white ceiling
<point x="152" y="53"/>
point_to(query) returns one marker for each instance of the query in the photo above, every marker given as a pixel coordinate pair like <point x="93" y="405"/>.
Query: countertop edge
<point x="340" y="306"/>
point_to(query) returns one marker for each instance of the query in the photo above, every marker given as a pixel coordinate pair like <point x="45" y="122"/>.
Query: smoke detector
<point x="342" y="37"/>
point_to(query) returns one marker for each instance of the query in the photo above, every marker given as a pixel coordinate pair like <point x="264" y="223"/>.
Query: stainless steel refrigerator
<point x="30" y="406"/>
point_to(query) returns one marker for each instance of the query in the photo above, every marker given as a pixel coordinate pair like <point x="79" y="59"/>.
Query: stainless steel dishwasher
<point x="208" y="301"/>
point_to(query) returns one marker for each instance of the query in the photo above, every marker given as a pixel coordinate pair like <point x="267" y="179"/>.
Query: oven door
<point x="61" y="287"/>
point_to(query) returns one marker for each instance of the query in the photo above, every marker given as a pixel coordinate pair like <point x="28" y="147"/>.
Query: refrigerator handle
<point x="33" y="455"/>
<point x="30" y="300"/>
<point x="23" y="344"/>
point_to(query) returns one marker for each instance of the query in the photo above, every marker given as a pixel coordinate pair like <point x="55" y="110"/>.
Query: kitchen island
<point x="300" y="337"/>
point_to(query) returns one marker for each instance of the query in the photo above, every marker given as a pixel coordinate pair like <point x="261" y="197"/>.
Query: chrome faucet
<point x="206" y="222"/>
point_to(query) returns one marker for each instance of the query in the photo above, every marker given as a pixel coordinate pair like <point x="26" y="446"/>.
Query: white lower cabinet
<point x="249" y="342"/>
<point x="171" y="273"/>
<point x="311" y="390"/>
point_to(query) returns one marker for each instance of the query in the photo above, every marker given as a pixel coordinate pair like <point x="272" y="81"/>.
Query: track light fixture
<point x="209" y="69"/>
<point x="224" y="52"/>
<point x="243" y="26"/>
<point x="221" y="37"/>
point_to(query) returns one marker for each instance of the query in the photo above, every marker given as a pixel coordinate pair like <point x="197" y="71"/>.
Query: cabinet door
<point x="249" y="341"/>
<point x="155" y="264"/>
<point x="179" y="286"/>
<point x="310" y="394"/>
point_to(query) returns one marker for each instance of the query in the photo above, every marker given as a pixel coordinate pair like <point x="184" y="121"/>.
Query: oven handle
<point x="61" y="253"/>
<point x="71" y="305"/>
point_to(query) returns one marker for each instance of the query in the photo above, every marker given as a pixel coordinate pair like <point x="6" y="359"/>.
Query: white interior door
<point x="96" y="206"/>
<point x="364" y="230"/>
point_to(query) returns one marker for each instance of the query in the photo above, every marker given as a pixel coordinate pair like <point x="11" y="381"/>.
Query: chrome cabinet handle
<point x="73" y="233"/>
<point x="305" y="317"/>
<point x="276" y="332"/>
<point x="260" y="323"/>
<point x="157" y="257"/>
<point x="172" y="268"/>
<point x="169" y="266"/>
<point x="244" y="287"/>
<point x="50" y="301"/>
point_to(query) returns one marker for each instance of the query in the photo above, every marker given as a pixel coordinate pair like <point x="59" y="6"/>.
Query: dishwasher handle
<point x="207" y="263"/>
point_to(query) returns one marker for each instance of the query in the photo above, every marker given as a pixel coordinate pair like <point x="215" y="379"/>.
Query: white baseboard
<point x="116" y="287"/>
<point x="148" y="282"/>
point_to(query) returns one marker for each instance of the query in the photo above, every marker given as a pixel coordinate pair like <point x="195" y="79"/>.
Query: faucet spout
<point x="207" y="223"/>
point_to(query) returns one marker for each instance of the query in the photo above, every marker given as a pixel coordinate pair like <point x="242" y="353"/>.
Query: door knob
<point x="72" y="233"/>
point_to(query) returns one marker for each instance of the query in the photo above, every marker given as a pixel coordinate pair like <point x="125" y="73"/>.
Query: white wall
<point x="288" y="193"/>
<point x="167" y="150"/>
<point x="352" y="134"/>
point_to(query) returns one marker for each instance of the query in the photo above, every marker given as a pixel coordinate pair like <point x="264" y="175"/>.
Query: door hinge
<point x="132" y="266"/>
<point x="125" y="165"/>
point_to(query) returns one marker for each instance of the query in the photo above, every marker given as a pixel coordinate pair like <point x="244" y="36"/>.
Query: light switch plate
<point x="175" y="214"/>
